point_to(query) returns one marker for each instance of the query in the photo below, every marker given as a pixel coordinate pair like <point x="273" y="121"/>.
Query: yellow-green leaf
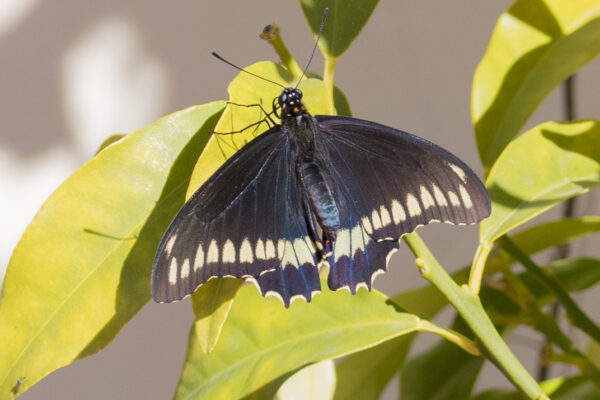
<point x="315" y="382"/>
<point x="211" y="303"/>
<point x="82" y="268"/>
<point x="536" y="45"/>
<point x="442" y="371"/>
<point x="546" y="165"/>
<point x="262" y="340"/>
<point x="366" y="374"/>
<point x="246" y="90"/>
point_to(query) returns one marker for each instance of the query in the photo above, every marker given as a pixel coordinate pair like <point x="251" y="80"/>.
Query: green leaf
<point x="550" y="234"/>
<point x="315" y="382"/>
<point x="211" y="304"/>
<point x="572" y="387"/>
<point x="443" y="371"/>
<point x="246" y="89"/>
<point x="261" y="340"/>
<point x="543" y="236"/>
<point x="574" y="275"/>
<point x="344" y="22"/>
<point x="82" y="268"/>
<point x="342" y="106"/>
<point x="592" y="352"/>
<point x="110" y="140"/>
<point x="546" y="165"/>
<point x="498" y="394"/>
<point x="365" y="374"/>
<point x="536" y="45"/>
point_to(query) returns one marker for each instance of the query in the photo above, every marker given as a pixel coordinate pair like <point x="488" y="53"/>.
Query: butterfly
<point x="310" y="192"/>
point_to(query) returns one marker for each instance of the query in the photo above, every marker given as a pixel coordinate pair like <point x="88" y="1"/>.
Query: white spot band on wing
<point x="199" y="259"/>
<point x="458" y="171"/>
<point x="170" y="243"/>
<point x="398" y="212"/>
<point x="213" y="252"/>
<point x="269" y="249"/>
<point x="173" y="272"/>
<point x="426" y="198"/>
<point x="185" y="269"/>
<point x="385" y="216"/>
<point x="260" y="250"/>
<point x="376" y="220"/>
<point x="414" y="209"/>
<point x="246" y="255"/>
<point x="453" y="199"/>
<point x="228" y="252"/>
<point x="464" y="195"/>
<point x="439" y="196"/>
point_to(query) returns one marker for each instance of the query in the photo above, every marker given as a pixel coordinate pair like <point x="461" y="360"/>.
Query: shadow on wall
<point x="71" y="85"/>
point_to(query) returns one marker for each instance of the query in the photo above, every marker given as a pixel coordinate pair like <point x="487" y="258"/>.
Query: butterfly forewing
<point x="398" y="181"/>
<point x="247" y="221"/>
<point x="388" y="183"/>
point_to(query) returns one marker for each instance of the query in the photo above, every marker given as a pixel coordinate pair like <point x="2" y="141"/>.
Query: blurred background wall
<point x="74" y="72"/>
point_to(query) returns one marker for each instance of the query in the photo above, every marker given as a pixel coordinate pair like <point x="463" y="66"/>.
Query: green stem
<point x="328" y="76"/>
<point x="450" y="335"/>
<point x="469" y="306"/>
<point x="577" y="316"/>
<point x="546" y="323"/>
<point x="478" y="266"/>
<point x="272" y="34"/>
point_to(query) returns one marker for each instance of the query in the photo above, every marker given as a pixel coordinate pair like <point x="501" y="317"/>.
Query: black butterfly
<point x="314" y="190"/>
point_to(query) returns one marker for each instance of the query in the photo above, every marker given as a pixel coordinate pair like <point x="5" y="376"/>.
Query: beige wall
<point x="73" y="72"/>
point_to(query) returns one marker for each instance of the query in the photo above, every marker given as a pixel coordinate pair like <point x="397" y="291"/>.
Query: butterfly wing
<point x="390" y="183"/>
<point x="247" y="221"/>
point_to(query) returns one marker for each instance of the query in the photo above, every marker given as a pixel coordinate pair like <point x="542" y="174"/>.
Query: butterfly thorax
<point x="296" y="120"/>
<point x="319" y="191"/>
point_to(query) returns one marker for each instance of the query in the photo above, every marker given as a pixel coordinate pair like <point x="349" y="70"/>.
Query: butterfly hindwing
<point x="246" y="221"/>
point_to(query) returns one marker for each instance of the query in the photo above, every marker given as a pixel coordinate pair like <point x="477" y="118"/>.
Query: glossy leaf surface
<point x="344" y="22"/>
<point x="82" y="268"/>
<point x="261" y="340"/>
<point x="546" y="165"/>
<point x="535" y="46"/>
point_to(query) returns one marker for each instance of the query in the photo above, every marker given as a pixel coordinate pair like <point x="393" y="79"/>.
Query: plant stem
<point x="328" y="76"/>
<point x="478" y="266"/>
<point x="469" y="306"/>
<point x="272" y="34"/>
<point x="577" y="316"/>
<point x="546" y="324"/>
<point x="450" y="335"/>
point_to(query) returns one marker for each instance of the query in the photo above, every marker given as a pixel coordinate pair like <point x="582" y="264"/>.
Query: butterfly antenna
<point x="325" y="11"/>
<point x="243" y="70"/>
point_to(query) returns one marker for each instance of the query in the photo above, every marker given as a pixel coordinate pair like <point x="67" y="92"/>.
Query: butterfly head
<point x="290" y="101"/>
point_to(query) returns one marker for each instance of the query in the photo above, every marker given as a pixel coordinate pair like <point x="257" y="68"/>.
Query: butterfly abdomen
<point x="321" y="198"/>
